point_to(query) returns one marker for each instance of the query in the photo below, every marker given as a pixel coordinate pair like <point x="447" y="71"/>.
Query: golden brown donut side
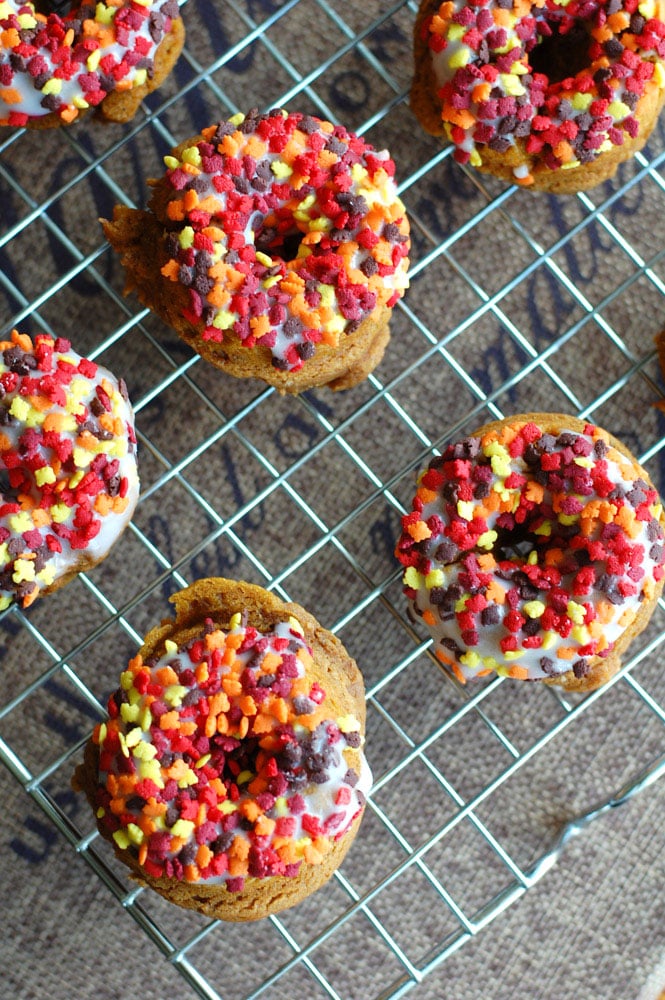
<point x="601" y="668"/>
<point x="336" y="672"/>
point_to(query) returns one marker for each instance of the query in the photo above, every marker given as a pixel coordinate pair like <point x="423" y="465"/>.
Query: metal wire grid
<point x="417" y="717"/>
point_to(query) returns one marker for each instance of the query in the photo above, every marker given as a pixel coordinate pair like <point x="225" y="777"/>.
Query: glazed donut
<point x="68" y="477"/>
<point x="276" y="246"/>
<point x="551" y="95"/>
<point x="107" y="56"/>
<point x="534" y="549"/>
<point x="230" y="776"/>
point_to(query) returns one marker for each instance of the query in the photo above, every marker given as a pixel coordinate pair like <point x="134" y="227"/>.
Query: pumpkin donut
<point x="548" y="95"/>
<point x="534" y="549"/>
<point x="230" y="776"/>
<point x="276" y="247"/>
<point x="67" y="461"/>
<point x="107" y="56"/>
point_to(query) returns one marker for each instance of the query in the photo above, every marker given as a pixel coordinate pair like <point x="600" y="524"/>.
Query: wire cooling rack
<point x="517" y="303"/>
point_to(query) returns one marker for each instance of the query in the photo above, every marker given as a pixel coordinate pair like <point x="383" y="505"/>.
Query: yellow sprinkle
<point x="52" y="86"/>
<point x="487" y="540"/>
<point x="575" y="612"/>
<point x="412" y="578"/>
<point x="174" y="694"/>
<point x="618" y="110"/>
<point x="348" y="724"/>
<point x="126" y="680"/>
<point x="264" y="259"/>
<point x="512" y="84"/>
<point x="59" y="512"/>
<point x="202" y="761"/>
<point x="170" y="647"/>
<point x="224" y="319"/>
<point x="581" y="101"/>
<point x="20" y="522"/>
<point x="133" y="736"/>
<point x="129" y="713"/>
<point x="513" y="654"/>
<point x="534" y="609"/>
<point x="465" y="509"/>
<point x="580" y="634"/>
<point x="121" y="839"/>
<point x="470" y="659"/>
<point x="135" y="833"/>
<point x="281" y="170"/>
<point x="145" y="751"/>
<point x="20" y="408"/>
<point x="186" y="237"/>
<point x="549" y="640"/>
<point x="47" y="575"/>
<point x="295" y="625"/>
<point x="192" y="156"/>
<point x="456" y="32"/>
<point x="24" y="571"/>
<point x="460" y="57"/>
<point x="434" y="578"/>
<point x="183" y="828"/>
<point x="151" y="770"/>
<point x="237" y="119"/>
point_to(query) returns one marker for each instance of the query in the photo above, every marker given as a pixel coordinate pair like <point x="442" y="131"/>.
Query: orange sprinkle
<point x="22" y="340"/>
<point x="169" y="720"/>
<point x="605" y="611"/>
<point x="166" y="676"/>
<point x="534" y="492"/>
<point x="280" y="710"/>
<point x="481" y="92"/>
<point x="419" y="531"/>
<point x="519" y="673"/>
<point x="204" y="856"/>
<point x="10" y="95"/>
<point x="495" y="593"/>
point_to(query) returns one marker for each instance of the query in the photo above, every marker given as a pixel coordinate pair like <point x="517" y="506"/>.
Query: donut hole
<point x="46" y="7"/>
<point x="560" y="56"/>
<point x="281" y="246"/>
<point x="513" y="545"/>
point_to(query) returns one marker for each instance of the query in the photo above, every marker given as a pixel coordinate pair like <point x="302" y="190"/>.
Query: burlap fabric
<point x="517" y="303"/>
